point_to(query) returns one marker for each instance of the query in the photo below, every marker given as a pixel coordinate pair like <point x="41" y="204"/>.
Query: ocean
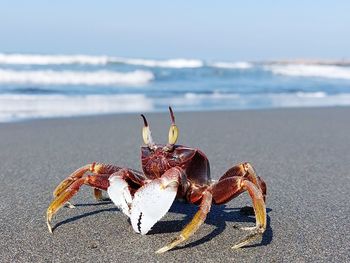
<point x="46" y="86"/>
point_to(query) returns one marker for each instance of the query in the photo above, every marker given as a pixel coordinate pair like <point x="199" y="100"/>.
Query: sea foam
<point x="170" y="63"/>
<point x="50" y="77"/>
<point x="27" y="59"/>
<point x="15" y="107"/>
<point x="306" y="70"/>
<point x="232" y="65"/>
<point x="32" y="59"/>
<point x="269" y="100"/>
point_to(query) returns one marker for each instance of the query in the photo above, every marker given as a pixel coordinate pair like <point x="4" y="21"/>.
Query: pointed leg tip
<point x="236" y="247"/>
<point x="171" y="245"/>
<point x="49" y="226"/>
<point x="242" y="243"/>
<point x="162" y="250"/>
<point x="254" y="234"/>
<point x="239" y="245"/>
<point x="48" y="221"/>
<point x="70" y="205"/>
<point x="249" y="228"/>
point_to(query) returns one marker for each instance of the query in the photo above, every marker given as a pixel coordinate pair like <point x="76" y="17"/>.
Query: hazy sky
<point x="231" y="30"/>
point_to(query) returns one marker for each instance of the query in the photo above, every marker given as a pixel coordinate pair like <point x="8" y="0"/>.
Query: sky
<point x="229" y="30"/>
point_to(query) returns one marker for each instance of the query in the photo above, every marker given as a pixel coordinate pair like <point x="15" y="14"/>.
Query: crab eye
<point x="173" y="134"/>
<point x="173" y="131"/>
<point x="146" y="133"/>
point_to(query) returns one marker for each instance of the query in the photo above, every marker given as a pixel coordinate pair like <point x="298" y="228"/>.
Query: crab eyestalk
<point x="173" y="131"/>
<point x="146" y="133"/>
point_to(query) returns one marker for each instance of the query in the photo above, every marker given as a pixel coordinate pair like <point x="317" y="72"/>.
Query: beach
<point x="302" y="154"/>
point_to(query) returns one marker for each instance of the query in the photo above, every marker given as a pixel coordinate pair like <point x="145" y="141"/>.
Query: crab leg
<point x="246" y="170"/>
<point x="71" y="179"/>
<point x="192" y="226"/>
<point x="98" y="194"/>
<point x="230" y="187"/>
<point x="97" y="181"/>
<point x="255" y="179"/>
<point x="95" y="168"/>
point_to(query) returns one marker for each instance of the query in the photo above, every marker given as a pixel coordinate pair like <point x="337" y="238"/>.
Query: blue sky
<point x="231" y="30"/>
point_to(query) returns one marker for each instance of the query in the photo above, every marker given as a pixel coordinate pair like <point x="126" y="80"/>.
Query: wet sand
<point x="302" y="154"/>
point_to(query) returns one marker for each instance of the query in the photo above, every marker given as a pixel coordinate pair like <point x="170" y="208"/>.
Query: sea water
<point x="34" y="86"/>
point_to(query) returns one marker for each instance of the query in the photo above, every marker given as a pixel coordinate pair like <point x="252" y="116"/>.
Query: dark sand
<point x="302" y="154"/>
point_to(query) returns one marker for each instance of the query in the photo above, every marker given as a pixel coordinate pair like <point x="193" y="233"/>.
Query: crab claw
<point x="151" y="202"/>
<point x="119" y="193"/>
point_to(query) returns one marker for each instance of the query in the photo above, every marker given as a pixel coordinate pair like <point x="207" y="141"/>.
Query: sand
<point x="302" y="154"/>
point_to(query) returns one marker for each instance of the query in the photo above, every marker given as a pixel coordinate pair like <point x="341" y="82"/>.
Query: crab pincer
<point x="153" y="200"/>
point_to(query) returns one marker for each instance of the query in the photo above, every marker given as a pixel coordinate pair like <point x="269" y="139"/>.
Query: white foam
<point x="219" y="100"/>
<point x="214" y="95"/>
<point x="318" y="94"/>
<point x="312" y="99"/>
<point x="306" y="70"/>
<point x="13" y="107"/>
<point x="27" y="59"/>
<point x="33" y="59"/>
<point x="49" y="77"/>
<point x="232" y="65"/>
<point x="202" y="100"/>
<point x="170" y="63"/>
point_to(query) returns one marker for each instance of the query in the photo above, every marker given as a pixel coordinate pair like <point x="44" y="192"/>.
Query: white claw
<point x="151" y="202"/>
<point x="119" y="193"/>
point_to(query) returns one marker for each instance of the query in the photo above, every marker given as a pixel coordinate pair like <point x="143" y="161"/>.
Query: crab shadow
<point x="78" y="217"/>
<point x="104" y="201"/>
<point x="218" y="217"/>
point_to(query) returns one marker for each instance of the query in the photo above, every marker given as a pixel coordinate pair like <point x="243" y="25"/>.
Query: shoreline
<point x="301" y="153"/>
<point x="165" y="111"/>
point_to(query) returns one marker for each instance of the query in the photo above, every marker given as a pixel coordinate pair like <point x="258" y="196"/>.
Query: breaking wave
<point x="214" y="95"/>
<point x="232" y="65"/>
<point x="304" y="70"/>
<point x="170" y="63"/>
<point x="33" y="86"/>
<point x="269" y="100"/>
<point x="308" y="99"/>
<point x="27" y="59"/>
<point x="22" y="59"/>
<point x="16" y="107"/>
<point x="50" y="77"/>
<point x="24" y="106"/>
<point x="318" y="94"/>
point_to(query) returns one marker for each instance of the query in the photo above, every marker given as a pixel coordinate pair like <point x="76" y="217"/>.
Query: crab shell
<point x="194" y="163"/>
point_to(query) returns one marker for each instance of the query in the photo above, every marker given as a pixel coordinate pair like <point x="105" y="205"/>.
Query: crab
<point x="169" y="171"/>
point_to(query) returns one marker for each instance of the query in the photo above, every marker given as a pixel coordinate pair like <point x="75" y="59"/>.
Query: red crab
<point x="168" y="171"/>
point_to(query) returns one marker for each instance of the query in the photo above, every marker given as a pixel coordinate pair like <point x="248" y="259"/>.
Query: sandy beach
<point x="302" y="154"/>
